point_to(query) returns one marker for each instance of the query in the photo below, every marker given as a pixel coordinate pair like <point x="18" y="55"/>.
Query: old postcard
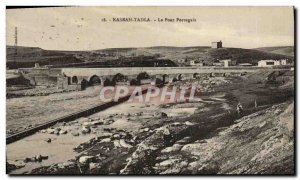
<point x="150" y="90"/>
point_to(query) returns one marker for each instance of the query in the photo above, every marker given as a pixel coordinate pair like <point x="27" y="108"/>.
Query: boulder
<point x="85" y="130"/>
<point x="105" y="140"/>
<point x="144" y="130"/>
<point x="83" y="119"/>
<point x="117" y="143"/>
<point x="87" y="124"/>
<point x="175" y="147"/>
<point x="63" y="132"/>
<point x="94" y="166"/>
<point x="163" y="115"/>
<point x="116" y="136"/>
<point x="98" y="122"/>
<point x="43" y="131"/>
<point x="176" y="124"/>
<point x="188" y="123"/>
<point x="75" y="133"/>
<point x="185" y="140"/>
<point x="50" y="131"/>
<point x="124" y="144"/>
<point x="86" y="159"/>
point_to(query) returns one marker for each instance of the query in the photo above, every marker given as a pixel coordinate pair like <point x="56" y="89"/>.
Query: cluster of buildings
<point x="229" y="62"/>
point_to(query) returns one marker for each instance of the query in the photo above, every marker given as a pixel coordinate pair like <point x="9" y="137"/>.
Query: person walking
<point x="239" y="109"/>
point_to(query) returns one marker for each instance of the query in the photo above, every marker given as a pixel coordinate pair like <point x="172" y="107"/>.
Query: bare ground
<point x="213" y="140"/>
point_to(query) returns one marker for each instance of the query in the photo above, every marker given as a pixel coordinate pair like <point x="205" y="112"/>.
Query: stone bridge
<point x="83" y="77"/>
<point x="140" y="75"/>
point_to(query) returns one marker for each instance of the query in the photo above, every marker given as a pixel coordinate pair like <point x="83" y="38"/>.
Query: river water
<point x="60" y="150"/>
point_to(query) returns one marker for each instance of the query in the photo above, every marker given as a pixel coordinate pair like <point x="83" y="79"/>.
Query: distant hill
<point x="27" y="56"/>
<point x="201" y="53"/>
<point x="283" y="50"/>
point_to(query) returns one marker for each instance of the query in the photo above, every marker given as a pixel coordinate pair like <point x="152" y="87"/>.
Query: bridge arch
<point x="180" y="77"/>
<point x="107" y="82"/>
<point x="143" y="75"/>
<point x="174" y="79"/>
<point x="84" y="84"/>
<point x="140" y="77"/>
<point x="74" y="80"/>
<point x="196" y="75"/>
<point x="134" y="82"/>
<point x="159" y="81"/>
<point x="165" y="78"/>
<point x="94" y="80"/>
<point x="119" y="78"/>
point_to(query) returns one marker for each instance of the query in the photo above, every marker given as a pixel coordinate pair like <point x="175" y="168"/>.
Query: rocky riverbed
<point x="206" y="137"/>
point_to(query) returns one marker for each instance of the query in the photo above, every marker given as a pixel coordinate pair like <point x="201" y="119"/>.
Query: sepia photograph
<point x="150" y="90"/>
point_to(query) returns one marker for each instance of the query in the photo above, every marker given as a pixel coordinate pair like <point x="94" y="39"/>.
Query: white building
<point x="226" y="62"/>
<point x="271" y="62"/>
<point x="196" y="63"/>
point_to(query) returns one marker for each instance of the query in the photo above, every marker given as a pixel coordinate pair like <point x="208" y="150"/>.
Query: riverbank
<point x="128" y="138"/>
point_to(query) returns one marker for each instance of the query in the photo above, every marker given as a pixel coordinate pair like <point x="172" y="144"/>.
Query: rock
<point x="37" y="158"/>
<point x="185" y="140"/>
<point x="163" y="115"/>
<point x="86" y="159"/>
<point x="144" y="130"/>
<point x="124" y="144"/>
<point x="188" y="123"/>
<point x="75" y="133"/>
<point x="277" y="111"/>
<point x="11" y="167"/>
<point x="202" y="141"/>
<point x="139" y="114"/>
<point x="87" y="124"/>
<point x="94" y="166"/>
<point x="68" y="164"/>
<point x="105" y="140"/>
<point x="63" y="132"/>
<point x="50" y="131"/>
<point x="108" y="129"/>
<point x="123" y="134"/>
<point x="116" y="136"/>
<point x="108" y="122"/>
<point x="48" y="140"/>
<point x="83" y="119"/>
<point x="175" y="147"/>
<point x="167" y="163"/>
<point x="99" y="122"/>
<point x="85" y="130"/>
<point x="117" y="143"/>
<point x="105" y="135"/>
<point x="176" y="124"/>
<point x="43" y="131"/>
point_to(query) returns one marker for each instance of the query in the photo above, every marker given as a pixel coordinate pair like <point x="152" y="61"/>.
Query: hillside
<point x="27" y="56"/>
<point x="202" y="53"/>
<point x="283" y="50"/>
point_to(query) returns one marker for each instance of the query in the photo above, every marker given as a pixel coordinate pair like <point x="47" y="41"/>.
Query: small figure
<point x="167" y="137"/>
<point x="239" y="109"/>
<point x="255" y="104"/>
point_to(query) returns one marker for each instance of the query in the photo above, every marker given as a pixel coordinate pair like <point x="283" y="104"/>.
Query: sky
<point x="82" y="28"/>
